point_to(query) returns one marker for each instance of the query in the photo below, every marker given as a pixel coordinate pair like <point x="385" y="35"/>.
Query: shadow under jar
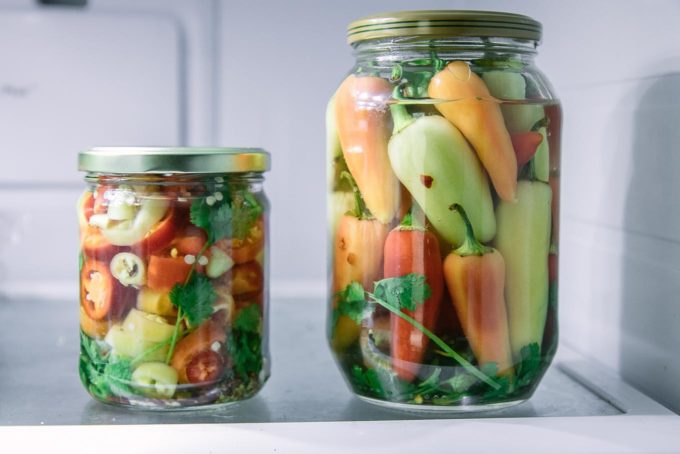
<point x="443" y="195"/>
<point x="173" y="276"/>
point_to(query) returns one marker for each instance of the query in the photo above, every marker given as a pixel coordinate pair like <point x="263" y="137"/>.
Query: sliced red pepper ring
<point x="205" y="367"/>
<point x="159" y="237"/>
<point x="99" y="293"/>
<point x="92" y="242"/>
<point x="203" y="339"/>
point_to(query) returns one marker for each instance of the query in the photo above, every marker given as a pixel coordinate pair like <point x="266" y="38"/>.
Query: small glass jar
<point x="173" y="276"/>
<point x="443" y="182"/>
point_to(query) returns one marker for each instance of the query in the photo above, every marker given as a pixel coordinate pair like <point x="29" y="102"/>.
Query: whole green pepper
<point x="435" y="163"/>
<point x="524" y="241"/>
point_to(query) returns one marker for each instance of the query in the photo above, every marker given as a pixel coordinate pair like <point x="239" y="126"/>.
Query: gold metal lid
<point x="137" y="160"/>
<point x="444" y="23"/>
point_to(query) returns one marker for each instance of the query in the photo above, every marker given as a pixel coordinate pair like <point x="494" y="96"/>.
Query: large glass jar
<point x="173" y="276"/>
<point x="443" y="182"/>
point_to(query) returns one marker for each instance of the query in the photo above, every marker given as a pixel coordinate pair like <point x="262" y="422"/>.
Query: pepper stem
<point x="400" y="116"/>
<point x="470" y="245"/>
<point x="360" y="209"/>
<point x="413" y="219"/>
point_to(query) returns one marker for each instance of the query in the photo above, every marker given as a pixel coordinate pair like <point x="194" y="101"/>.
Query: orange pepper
<point x="475" y="277"/>
<point x="470" y="107"/>
<point x="363" y="126"/>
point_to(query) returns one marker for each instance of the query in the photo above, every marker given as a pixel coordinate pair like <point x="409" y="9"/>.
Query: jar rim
<point x="168" y="160"/>
<point x="444" y="23"/>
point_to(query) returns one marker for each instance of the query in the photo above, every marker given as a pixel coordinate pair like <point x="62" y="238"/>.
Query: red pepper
<point x="411" y="249"/>
<point x="525" y="145"/>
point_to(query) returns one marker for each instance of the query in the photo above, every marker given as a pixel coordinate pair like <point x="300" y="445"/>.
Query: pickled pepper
<point x="362" y="123"/>
<point x="357" y="257"/>
<point x="468" y="105"/>
<point x="435" y="163"/>
<point x="524" y="241"/>
<point x="475" y="277"/>
<point x="410" y="248"/>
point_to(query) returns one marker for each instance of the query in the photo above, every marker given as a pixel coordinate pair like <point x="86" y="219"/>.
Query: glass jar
<point x="443" y="179"/>
<point x="173" y="276"/>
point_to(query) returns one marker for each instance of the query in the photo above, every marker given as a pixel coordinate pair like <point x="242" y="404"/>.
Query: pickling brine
<point x="443" y="168"/>
<point x="173" y="294"/>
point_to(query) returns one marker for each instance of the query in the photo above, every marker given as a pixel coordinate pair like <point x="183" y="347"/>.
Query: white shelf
<point x="305" y="405"/>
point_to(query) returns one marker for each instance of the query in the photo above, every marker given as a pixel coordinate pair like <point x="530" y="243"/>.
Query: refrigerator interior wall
<point x="111" y="73"/>
<point x="616" y="67"/>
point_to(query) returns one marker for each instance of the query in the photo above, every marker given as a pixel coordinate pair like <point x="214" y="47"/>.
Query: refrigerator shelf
<point x="39" y="386"/>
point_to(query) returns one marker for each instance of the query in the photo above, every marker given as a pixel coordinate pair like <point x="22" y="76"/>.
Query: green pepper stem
<point x="440" y="343"/>
<point x="413" y="219"/>
<point x="400" y="117"/>
<point x="360" y="209"/>
<point x="470" y="245"/>
<point x="407" y="222"/>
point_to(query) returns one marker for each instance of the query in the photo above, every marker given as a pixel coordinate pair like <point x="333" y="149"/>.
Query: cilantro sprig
<point x="231" y="217"/>
<point x="103" y="374"/>
<point x="396" y="295"/>
<point x="245" y="342"/>
<point x="226" y="214"/>
<point x="195" y="299"/>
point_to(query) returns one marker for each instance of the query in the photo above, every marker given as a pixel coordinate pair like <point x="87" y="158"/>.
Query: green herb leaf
<point x="405" y="292"/>
<point x="245" y="342"/>
<point x="430" y="384"/>
<point x="195" y="298"/>
<point x="460" y="383"/>
<point x="232" y="217"/>
<point x="530" y="366"/>
<point x="118" y="376"/>
<point x="367" y="382"/>
<point x="248" y="319"/>
<point x="351" y="302"/>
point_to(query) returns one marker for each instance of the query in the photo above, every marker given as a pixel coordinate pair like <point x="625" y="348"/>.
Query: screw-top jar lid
<point x="444" y="23"/>
<point x="138" y="160"/>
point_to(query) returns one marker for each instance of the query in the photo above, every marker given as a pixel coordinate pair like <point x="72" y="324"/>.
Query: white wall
<point x="92" y="103"/>
<point x="616" y="66"/>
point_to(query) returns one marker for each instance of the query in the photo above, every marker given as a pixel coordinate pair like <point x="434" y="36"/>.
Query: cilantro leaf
<point x="195" y="298"/>
<point x="246" y="210"/>
<point x="245" y="342"/>
<point x="118" y="376"/>
<point x="404" y="292"/>
<point x="248" y="319"/>
<point x="102" y="374"/>
<point x="530" y="366"/>
<point x="460" y="383"/>
<point x="351" y="302"/>
<point x="430" y="384"/>
<point x="231" y="217"/>
<point x="367" y="382"/>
